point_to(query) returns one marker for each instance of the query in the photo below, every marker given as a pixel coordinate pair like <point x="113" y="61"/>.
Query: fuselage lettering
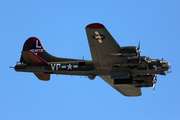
<point x="55" y="66"/>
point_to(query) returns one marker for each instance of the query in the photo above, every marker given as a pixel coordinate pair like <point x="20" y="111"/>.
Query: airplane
<point x="121" y="67"/>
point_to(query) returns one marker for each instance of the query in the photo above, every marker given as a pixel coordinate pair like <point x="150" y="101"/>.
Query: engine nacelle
<point x="140" y="81"/>
<point x="129" y="49"/>
<point x="143" y="84"/>
<point x="144" y="81"/>
<point x="91" y="76"/>
<point x="143" y="77"/>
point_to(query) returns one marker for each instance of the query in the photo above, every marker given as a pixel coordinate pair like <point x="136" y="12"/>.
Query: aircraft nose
<point x="169" y="65"/>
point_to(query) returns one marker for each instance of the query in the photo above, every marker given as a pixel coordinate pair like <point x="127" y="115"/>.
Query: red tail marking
<point x="95" y="26"/>
<point x="35" y="46"/>
<point x="35" y="58"/>
<point x="32" y="40"/>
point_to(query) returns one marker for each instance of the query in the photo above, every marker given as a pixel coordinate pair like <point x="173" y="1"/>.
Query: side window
<point x="81" y="63"/>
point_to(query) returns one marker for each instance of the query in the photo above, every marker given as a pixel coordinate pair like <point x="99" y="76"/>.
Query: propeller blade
<point x="139" y="45"/>
<point x="138" y="49"/>
<point x="153" y="87"/>
<point x="154" y="82"/>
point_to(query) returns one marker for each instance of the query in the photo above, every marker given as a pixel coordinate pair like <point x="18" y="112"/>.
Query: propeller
<point x="170" y="65"/>
<point x="138" y="52"/>
<point x="138" y="48"/>
<point x="154" y="82"/>
<point x="139" y="45"/>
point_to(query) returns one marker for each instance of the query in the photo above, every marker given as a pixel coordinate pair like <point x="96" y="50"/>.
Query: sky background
<point x="60" y="25"/>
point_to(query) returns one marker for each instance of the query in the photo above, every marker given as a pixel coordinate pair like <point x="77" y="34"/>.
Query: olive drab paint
<point x="121" y="67"/>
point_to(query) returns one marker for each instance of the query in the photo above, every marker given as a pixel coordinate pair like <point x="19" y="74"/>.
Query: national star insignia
<point x="98" y="37"/>
<point x="69" y="66"/>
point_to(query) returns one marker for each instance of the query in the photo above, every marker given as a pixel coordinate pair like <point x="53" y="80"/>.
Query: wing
<point x="124" y="89"/>
<point x="102" y="45"/>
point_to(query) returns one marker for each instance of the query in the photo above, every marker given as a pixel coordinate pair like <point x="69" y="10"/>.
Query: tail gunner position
<point x="121" y="67"/>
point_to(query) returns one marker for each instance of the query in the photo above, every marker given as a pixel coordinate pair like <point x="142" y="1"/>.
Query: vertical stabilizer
<point x="34" y="45"/>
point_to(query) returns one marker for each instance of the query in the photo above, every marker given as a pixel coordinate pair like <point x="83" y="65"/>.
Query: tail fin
<point x="32" y="54"/>
<point x="34" y="45"/>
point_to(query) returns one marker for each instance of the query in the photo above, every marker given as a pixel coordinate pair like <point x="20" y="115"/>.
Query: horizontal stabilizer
<point x="33" y="59"/>
<point x="43" y="76"/>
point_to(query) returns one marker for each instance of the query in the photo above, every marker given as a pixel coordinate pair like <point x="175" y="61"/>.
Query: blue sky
<point x="60" y="25"/>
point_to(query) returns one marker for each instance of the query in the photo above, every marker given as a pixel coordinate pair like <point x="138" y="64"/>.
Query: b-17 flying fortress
<point x="121" y="67"/>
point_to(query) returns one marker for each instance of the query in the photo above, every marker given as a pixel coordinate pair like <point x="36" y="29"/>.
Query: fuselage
<point x="85" y="67"/>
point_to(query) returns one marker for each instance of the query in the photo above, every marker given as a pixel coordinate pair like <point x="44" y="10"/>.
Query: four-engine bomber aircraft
<point x="121" y="67"/>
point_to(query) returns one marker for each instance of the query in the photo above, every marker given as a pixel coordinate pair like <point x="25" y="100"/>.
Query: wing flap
<point x="124" y="89"/>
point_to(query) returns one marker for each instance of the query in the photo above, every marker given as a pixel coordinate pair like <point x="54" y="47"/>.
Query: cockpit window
<point x="147" y="58"/>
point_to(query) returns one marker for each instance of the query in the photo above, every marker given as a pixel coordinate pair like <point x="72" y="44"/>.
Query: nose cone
<point x="169" y="65"/>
